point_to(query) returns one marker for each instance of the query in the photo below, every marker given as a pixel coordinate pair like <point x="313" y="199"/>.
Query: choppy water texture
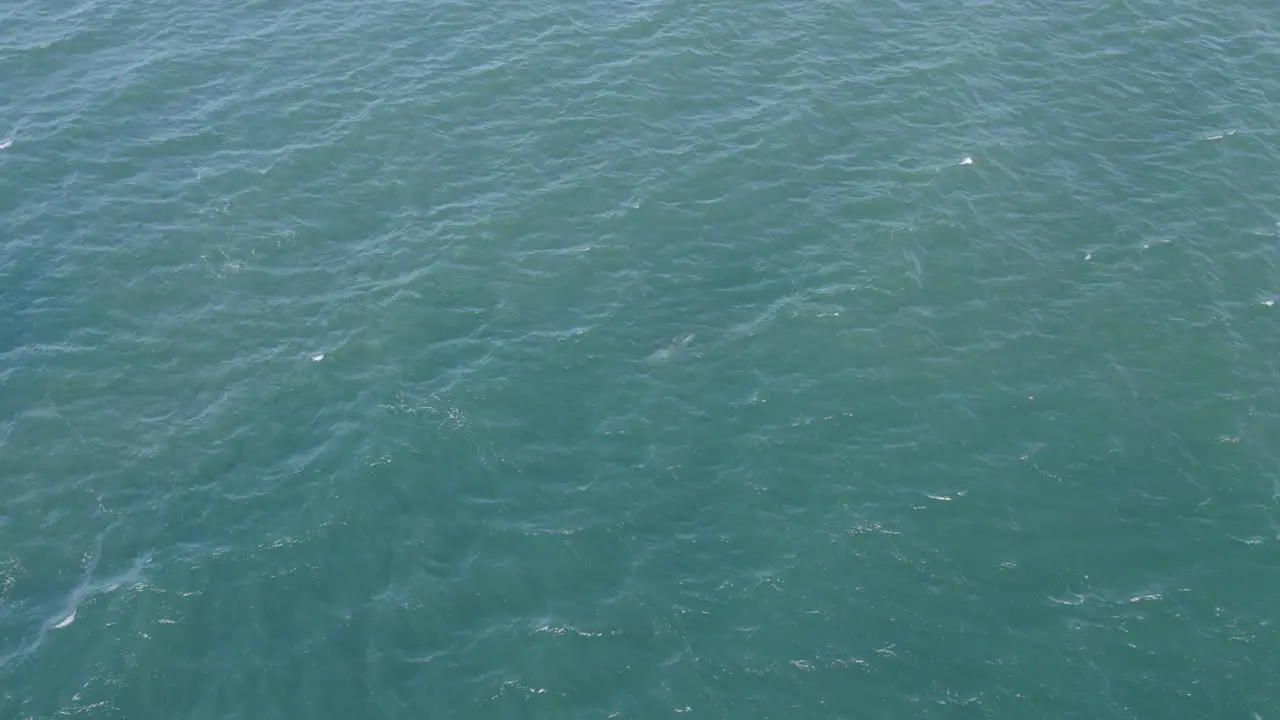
<point x="550" y="359"/>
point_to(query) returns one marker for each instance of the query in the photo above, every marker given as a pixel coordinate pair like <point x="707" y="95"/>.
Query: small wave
<point x="665" y="353"/>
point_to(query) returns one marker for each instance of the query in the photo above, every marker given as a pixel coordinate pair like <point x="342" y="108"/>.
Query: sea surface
<point x="639" y="359"/>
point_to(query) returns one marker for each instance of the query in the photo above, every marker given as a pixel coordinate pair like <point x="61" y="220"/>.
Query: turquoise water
<point x="862" y="359"/>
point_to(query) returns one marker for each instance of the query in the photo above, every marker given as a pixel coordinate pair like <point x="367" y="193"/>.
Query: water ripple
<point x="624" y="360"/>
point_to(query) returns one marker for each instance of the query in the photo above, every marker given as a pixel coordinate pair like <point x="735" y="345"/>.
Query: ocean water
<point x="824" y="359"/>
